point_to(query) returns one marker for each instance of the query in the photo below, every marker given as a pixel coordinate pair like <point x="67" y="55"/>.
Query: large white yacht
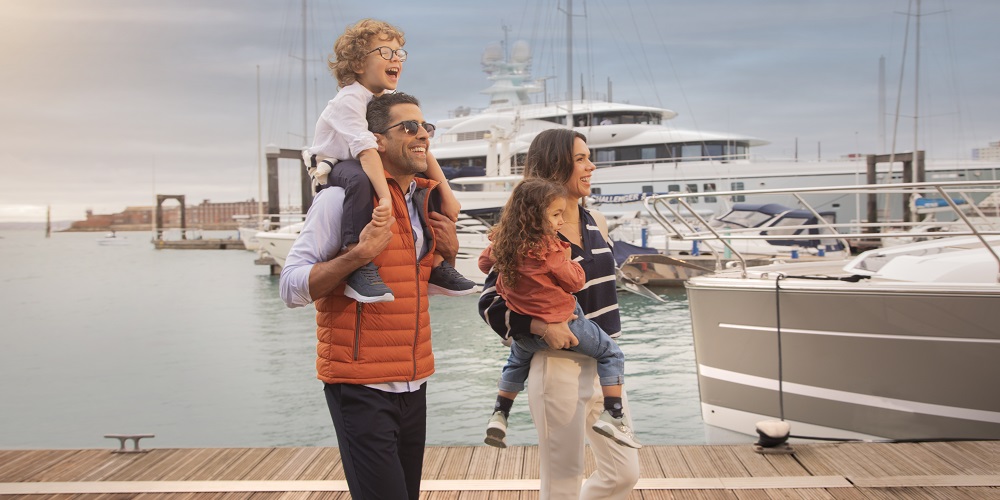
<point x="492" y="142"/>
<point x="639" y="153"/>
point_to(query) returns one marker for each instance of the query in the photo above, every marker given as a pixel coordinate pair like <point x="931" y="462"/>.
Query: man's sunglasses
<point x="411" y="127"/>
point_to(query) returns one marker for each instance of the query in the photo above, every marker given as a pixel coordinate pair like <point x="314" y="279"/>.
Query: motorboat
<point x="677" y="249"/>
<point x="895" y="343"/>
<point x="278" y="243"/>
<point x="112" y="239"/>
<point x="248" y="226"/>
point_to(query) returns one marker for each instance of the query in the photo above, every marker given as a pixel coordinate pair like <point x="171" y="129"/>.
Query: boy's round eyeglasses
<point x="387" y="52"/>
<point x="411" y="127"/>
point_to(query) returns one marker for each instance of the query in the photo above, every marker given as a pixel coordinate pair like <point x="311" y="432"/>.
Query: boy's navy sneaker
<point x="365" y="285"/>
<point x="446" y="280"/>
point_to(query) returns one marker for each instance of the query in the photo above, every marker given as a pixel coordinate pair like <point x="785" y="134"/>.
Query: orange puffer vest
<point x="387" y="341"/>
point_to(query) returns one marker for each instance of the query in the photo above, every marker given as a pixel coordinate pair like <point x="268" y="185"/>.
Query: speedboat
<point x="678" y="249"/>
<point x="897" y="343"/>
<point x="278" y="243"/>
<point x="112" y="239"/>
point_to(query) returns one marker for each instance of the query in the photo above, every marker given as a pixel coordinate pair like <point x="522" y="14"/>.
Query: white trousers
<point x="565" y="400"/>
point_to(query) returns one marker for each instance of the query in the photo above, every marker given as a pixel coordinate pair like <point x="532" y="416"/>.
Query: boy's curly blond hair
<point x="350" y="50"/>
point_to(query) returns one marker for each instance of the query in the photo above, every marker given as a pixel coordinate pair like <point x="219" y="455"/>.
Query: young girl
<point x="367" y="61"/>
<point x="537" y="278"/>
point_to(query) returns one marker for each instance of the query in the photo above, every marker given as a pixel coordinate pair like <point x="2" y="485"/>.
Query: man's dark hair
<point x="378" y="109"/>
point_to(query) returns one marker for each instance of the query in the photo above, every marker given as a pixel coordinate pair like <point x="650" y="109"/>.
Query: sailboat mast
<point x="916" y="95"/>
<point x="569" y="63"/>
<point x="260" y="165"/>
<point x="305" y="113"/>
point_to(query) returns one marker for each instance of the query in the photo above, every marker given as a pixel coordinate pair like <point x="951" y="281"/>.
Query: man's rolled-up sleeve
<point x="319" y="241"/>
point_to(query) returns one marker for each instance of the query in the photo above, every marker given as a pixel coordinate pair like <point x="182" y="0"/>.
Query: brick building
<point x="206" y="215"/>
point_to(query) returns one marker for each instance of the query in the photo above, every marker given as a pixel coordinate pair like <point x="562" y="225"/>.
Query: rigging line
<point x="626" y="54"/>
<point x="680" y="86"/>
<point x="590" y="62"/>
<point x="529" y="28"/>
<point x="322" y="48"/>
<point x="887" y="178"/>
<point x="272" y="107"/>
<point x="899" y="90"/>
<point x="956" y="82"/>
<point x="645" y="56"/>
<point x="525" y="17"/>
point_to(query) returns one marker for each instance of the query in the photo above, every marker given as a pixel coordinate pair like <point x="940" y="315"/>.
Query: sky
<point x="104" y="103"/>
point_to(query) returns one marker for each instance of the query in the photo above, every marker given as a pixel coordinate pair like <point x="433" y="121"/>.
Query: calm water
<point x="197" y="348"/>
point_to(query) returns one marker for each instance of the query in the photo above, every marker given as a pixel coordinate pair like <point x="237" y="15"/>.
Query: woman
<point x="564" y="393"/>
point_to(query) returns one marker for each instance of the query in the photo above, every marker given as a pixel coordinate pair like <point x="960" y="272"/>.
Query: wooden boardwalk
<point x="955" y="470"/>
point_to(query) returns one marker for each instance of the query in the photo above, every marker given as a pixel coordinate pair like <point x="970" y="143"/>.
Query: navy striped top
<point x="598" y="298"/>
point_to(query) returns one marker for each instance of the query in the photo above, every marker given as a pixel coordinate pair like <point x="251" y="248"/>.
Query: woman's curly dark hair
<point x="521" y="229"/>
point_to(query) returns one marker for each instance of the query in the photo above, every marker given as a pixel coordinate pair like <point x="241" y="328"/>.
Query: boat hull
<point x="277" y="245"/>
<point x="881" y="360"/>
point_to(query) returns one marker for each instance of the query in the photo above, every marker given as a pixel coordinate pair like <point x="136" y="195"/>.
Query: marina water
<point x="196" y="347"/>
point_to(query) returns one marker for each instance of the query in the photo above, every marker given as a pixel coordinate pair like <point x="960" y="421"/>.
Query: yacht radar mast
<point x="511" y="76"/>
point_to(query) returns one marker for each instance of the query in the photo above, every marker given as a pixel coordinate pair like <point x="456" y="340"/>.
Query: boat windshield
<point x="742" y="218"/>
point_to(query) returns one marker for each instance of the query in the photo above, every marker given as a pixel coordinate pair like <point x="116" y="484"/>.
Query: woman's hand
<point x="556" y="335"/>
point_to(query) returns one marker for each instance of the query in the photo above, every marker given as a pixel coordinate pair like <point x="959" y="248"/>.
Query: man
<point x="375" y="359"/>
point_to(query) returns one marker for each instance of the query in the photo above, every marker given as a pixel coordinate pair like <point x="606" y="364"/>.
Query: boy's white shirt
<point x="342" y="129"/>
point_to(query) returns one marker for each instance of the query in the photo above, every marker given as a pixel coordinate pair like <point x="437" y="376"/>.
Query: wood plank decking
<point x="949" y="470"/>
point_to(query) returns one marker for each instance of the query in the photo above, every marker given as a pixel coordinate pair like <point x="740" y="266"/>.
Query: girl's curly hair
<point x="521" y="230"/>
<point x="350" y="50"/>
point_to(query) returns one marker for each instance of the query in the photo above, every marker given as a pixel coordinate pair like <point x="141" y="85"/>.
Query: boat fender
<point x="773" y="437"/>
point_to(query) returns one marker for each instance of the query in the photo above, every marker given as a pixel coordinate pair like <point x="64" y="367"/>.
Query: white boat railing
<point x="674" y="212"/>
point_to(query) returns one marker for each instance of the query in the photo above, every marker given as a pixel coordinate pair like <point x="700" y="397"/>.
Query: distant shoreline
<point x="65" y="227"/>
<point x="146" y="227"/>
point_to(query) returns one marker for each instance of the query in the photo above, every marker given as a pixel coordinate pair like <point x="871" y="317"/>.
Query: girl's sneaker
<point x="616" y="429"/>
<point x="496" y="430"/>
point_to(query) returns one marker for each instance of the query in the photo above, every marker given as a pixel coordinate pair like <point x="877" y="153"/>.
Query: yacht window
<point x="692" y="188"/>
<point x="714" y="151"/>
<point x="647" y="189"/>
<point x="708" y="188"/>
<point x="648" y="153"/>
<point x="673" y="188"/>
<point x="605" y="155"/>
<point x="471" y="136"/>
<point x="737" y="186"/>
<point x="595" y="190"/>
<point x="691" y="152"/>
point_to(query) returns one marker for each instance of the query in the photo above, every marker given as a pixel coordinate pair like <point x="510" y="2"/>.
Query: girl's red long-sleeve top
<point x="546" y="283"/>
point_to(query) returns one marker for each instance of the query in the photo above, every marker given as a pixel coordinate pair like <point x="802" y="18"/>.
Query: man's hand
<point x="445" y="236"/>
